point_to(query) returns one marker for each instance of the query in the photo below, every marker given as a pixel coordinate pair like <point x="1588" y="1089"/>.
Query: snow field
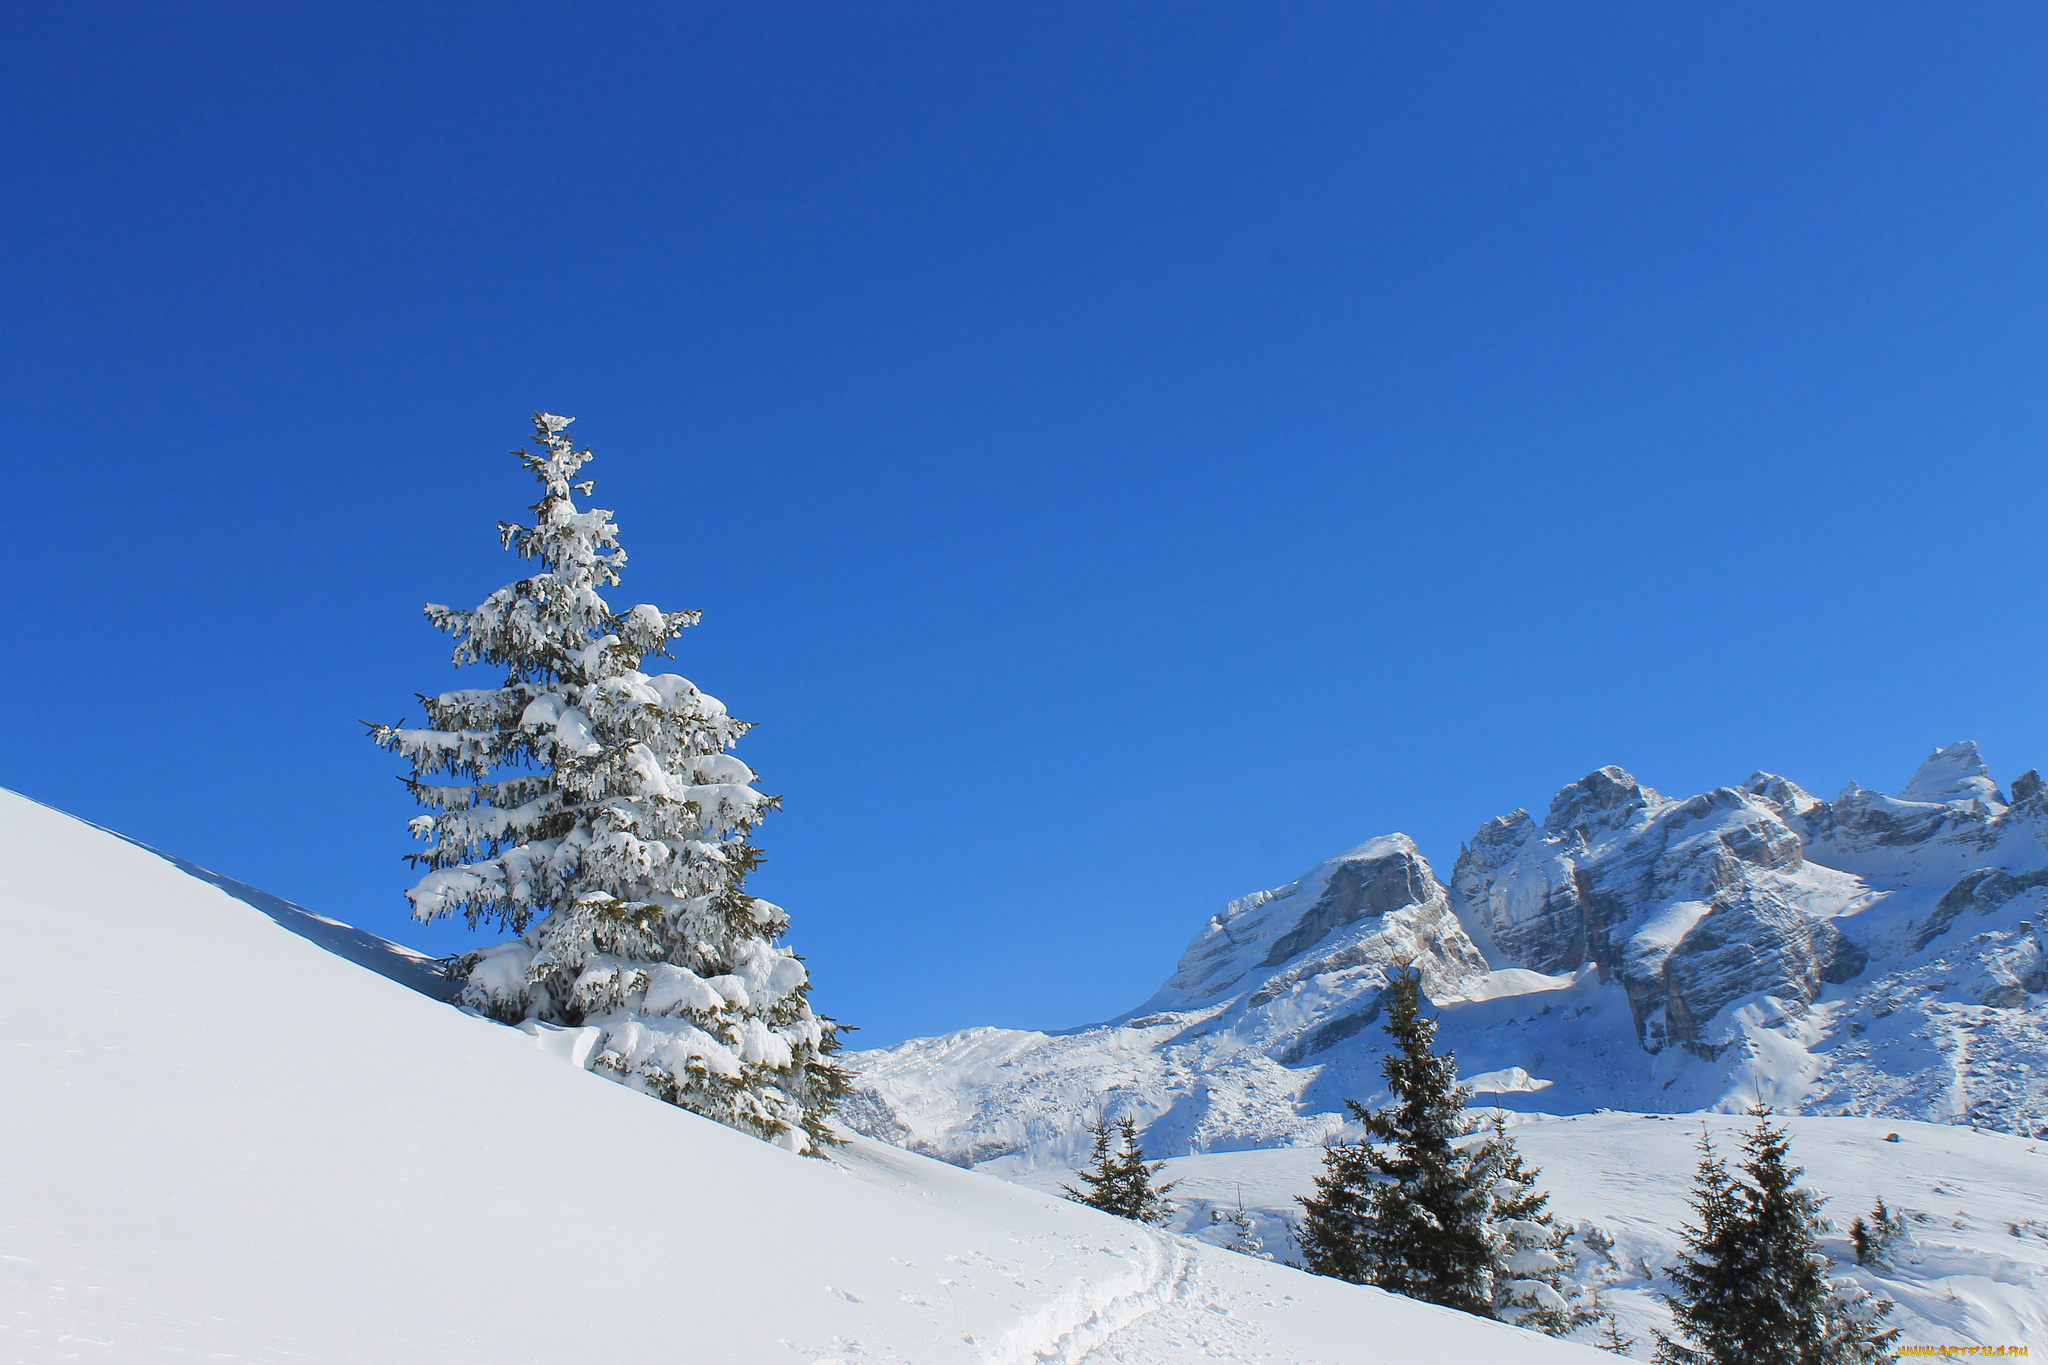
<point x="1976" y="1203"/>
<point x="222" y="1141"/>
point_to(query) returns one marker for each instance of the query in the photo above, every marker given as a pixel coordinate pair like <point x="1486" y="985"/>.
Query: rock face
<point x="1214" y="1060"/>
<point x="1693" y="904"/>
<point x="1869" y="954"/>
<point x="1689" y="904"/>
<point x="1344" y="921"/>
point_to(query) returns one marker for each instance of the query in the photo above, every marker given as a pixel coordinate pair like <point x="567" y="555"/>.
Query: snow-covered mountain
<point x="1869" y="955"/>
<point x="231" y="1129"/>
<point x="1872" y="964"/>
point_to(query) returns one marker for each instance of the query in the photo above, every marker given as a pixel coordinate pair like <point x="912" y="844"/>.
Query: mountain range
<point x="1871" y="955"/>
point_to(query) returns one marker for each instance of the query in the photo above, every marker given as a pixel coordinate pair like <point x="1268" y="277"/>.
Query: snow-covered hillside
<point x="1975" y="1270"/>
<point x="233" y="1130"/>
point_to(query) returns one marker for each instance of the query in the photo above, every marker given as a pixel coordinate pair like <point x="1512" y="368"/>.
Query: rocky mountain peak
<point x="1318" y="917"/>
<point x="1603" y="799"/>
<point x="1951" y="775"/>
<point x="1691" y="904"/>
<point x="1785" y="797"/>
<point x="1950" y="815"/>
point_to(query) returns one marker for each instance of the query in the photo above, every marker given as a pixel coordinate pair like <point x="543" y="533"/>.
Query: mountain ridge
<point x="1631" y="950"/>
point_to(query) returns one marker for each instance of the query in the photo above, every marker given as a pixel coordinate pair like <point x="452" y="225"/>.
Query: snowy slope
<point x="1976" y="1203"/>
<point x="222" y="1138"/>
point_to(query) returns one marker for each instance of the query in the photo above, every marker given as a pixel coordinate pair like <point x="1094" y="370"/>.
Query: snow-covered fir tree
<point x="1532" y="1258"/>
<point x="1118" y="1179"/>
<point x="1244" y="1234"/>
<point x="593" y="810"/>
<point x="1751" y="1283"/>
<point x="1852" y="1326"/>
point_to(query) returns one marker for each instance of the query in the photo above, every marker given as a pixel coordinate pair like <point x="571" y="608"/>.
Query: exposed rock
<point x="1751" y="942"/>
<point x="1689" y="903"/>
<point x="1358" y="888"/>
<point x="1602" y="800"/>
<point x="1861" y="822"/>
<point x="1333" y="918"/>
<point x="1983" y="891"/>
<point x="1533" y="919"/>
<point x="1667" y="954"/>
<point x="1787" y="798"/>
<point x="1697" y="904"/>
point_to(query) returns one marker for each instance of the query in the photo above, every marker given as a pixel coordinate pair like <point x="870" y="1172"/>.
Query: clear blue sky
<point x="1124" y="453"/>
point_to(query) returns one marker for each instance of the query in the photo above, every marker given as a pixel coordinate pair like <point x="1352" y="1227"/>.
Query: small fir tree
<point x="1715" y="1272"/>
<point x="1117" y="1177"/>
<point x="1404" y="1208"/>
<point x="1611" y="1338"/>
<point x="1879" y="1236"/>
<point x="1335" y="1234"/>
<point x="1852" y="1326"/>
<point x="1144" y="1201"/>
<point x="593" y="811"/>
<point x="1102" y="1177"/>
<point x="1782" y="1220"/>
<point x="1752" y="1286"/>
<point x="1244" y="1235"/>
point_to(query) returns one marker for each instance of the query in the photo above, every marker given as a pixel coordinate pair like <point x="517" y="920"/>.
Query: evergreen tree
<point x="1333" y="1235"/>
<point x="1144" y="1201"/>
<point x="1612" y="1338"/>
<point x="1715" y="1271"/>
<point x="1532" y="1255"/>
<point x="1117" y="1177"/>
<point x="1404" y="1208"/>
<point x="593" y="811"/>
<point x="1852" y="1326"/>
<point x="1878" y="1238"/>
<point x="1781" y="1220"/>
<point x="1102" y="1177"/>
<point x="1244" y="1236"/>
<point x="1752" y="1285"/>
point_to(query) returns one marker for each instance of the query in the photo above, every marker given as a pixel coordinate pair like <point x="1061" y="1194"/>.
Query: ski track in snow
<point x="1163" y="1278"/>
<point x="1187" y="1317"/>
